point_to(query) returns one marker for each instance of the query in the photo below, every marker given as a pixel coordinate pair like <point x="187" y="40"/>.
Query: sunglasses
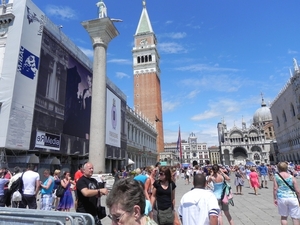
<point x="116" y="219"/>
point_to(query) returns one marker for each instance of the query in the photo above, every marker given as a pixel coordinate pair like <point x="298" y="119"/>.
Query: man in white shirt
<point x="199" y="206"/>
<point x="31" y="185"/>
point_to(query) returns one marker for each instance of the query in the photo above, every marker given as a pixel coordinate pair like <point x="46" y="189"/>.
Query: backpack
<point x="17" y="185"/>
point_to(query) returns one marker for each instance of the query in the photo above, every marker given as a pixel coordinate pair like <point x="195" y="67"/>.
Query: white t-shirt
<point x="29" y="181"/>
<point x="197" y="205"/>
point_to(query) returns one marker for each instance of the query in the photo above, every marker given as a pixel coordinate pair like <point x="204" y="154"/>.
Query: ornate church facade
<point x="248" y="145"/>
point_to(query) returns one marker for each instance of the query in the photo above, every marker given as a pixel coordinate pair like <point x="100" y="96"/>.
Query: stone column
<point x="101" y="32"/>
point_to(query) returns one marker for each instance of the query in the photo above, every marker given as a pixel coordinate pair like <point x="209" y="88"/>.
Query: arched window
<point x="284" y="116"/>
<point x="150" y="58"/>
<point x="146" y="58"/>
<point x="138" y="59"/>
<point x="293" y="110"/>
<point x="277" y="120"/>
<point x="256" y="156"/>
<point x="143" y="59"/>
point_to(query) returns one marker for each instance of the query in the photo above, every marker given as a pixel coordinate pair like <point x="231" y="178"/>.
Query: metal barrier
<point x="7" y="220"/>
<point x="37" y="217"/>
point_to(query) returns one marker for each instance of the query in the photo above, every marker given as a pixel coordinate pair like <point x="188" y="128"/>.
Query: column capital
<point x="101" y="31"/>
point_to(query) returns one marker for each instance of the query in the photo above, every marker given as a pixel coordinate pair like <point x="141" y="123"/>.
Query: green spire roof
<point x="144" y="25"/>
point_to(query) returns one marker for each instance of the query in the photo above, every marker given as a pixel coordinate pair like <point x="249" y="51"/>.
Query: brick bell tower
<point x="147" y="90"/>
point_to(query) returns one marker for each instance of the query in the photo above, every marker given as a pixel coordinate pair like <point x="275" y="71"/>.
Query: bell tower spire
<point x="147" y="89"/>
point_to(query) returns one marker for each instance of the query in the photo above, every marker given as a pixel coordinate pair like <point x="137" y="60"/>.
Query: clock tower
<point x="147" y="90"/>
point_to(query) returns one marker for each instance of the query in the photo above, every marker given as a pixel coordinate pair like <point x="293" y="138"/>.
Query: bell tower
<point x="147" y="90"/>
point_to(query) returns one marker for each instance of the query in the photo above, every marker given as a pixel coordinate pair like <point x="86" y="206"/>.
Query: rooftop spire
<point x="263" y="104"/>
<point x="144" y="25"/>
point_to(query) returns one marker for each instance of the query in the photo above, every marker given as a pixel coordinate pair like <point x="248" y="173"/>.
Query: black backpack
<point x="17" y="185"/>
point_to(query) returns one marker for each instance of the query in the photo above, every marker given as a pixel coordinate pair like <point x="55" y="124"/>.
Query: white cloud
<point x="169" y="106"/>
<point x="206" y="115"/>
<point x="171" y="48"/>
<point x="169" y="22"/>
<point x="62" y="12"/>
<point x="193" y="94"/>
<point x="217" y="109"/>
<point x="122" y="75"/>
<point x="204" y="67"/>
<point x="292" y="52"/>
<point x="219" y="83"/>
<point x="120" y="61"/>
<point x="178" y="35"/>
<point x="88" y="52"/>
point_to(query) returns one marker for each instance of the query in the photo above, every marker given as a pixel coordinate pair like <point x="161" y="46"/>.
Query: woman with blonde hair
<point x="56" y="176"/>
<point x="285" y="193"/>
<point x="152" y="177"/>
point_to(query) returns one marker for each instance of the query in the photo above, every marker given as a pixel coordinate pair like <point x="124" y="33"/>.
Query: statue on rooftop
<point x="102" y="9"/>
<point x="296" y="67"/>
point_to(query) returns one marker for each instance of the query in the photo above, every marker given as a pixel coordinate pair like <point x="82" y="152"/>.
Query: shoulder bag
<point x="101" y="210"/>
<point x="60" y="191"/>
<point x="227" y="197"/>
<point x="292" y="188"/>
<point x="165" y="216"/>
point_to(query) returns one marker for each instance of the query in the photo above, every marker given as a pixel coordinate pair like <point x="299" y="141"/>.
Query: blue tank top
<point x="50" y="189"/>
<point x="218" y="188"/>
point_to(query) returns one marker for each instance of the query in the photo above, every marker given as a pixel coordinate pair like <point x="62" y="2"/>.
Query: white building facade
<point x="141" y="139"/>
<point x="193" y="152"/>
<point x="285" y="110"/>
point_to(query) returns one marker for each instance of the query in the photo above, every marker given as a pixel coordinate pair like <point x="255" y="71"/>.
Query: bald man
<point x="199" y="206"/>
<point x="88" y="192"/>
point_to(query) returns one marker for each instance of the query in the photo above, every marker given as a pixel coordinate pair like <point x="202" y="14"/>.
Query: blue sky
<point x="216" y="57"/>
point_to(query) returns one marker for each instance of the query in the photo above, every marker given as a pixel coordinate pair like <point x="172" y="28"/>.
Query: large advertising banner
<point x="29" y="26"/>
<point x="113" y="119"/>
<point x="78" y="100"/>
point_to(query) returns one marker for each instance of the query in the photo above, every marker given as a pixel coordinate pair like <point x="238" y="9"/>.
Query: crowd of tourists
<point x="146" y="196"/>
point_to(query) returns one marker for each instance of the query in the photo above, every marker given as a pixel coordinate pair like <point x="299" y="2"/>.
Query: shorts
<point x="224" y="207"/>
<point x="289" y="207"/>
<point x="263" y="177"/>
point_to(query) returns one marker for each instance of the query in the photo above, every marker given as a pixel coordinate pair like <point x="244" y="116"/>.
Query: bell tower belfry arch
<point x="147" y="88"/>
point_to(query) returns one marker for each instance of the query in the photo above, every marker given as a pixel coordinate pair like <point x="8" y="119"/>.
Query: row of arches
<point x="240" y="155"/>
<point x="143" y="59"/>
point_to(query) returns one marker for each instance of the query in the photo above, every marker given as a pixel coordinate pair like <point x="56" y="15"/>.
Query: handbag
<point x="289" y="187"/>
<point x="101" y="210"/>
<point x="165" y="216"/>
<point x="16" y="196"/>
<point x="227" y="197"/>
<point x="60" y="191"/>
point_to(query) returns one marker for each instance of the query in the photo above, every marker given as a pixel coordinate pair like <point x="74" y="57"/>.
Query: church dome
<point x="263" y="114"/>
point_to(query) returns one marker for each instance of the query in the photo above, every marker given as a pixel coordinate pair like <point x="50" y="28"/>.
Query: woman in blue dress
<point x="66" y="201"/>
